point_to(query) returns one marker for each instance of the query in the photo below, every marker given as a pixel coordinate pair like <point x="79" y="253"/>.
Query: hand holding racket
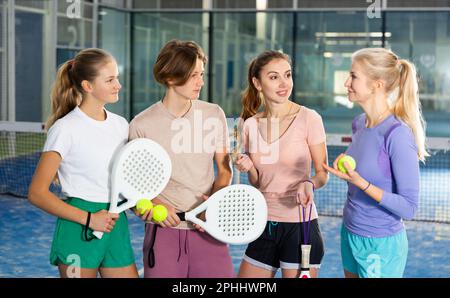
<point x="103" y="220"/>
<point x="235" y="214"/>
<point x="141" y="169"/>
<point x="305" y="193"/>
<point x="243" y="163"/>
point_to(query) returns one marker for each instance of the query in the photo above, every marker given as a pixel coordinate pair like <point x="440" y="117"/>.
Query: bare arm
<point x="40" y="196"/>
<point x="224" y="173"/>
<point x="319" y="156"/>
<point x="244" y="164"/>
<point x="253" y="177"/>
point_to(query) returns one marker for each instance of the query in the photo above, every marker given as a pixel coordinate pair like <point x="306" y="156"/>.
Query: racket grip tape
<point x="181" y="216"/>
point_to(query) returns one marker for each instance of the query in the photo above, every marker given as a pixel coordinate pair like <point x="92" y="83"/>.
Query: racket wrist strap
<point x="310" y="181"/>
<point x="86" y="228"/>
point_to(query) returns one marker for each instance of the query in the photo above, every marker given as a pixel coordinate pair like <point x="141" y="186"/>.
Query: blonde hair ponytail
<point x="407" y="107"/>
<point x="399" y="75"/>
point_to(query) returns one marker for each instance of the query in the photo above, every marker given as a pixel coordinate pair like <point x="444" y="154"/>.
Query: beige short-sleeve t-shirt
<point x="191" y="142"/>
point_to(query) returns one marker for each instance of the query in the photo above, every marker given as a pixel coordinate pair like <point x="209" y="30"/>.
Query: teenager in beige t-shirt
<point x="281" y="143"/>
<point x="194" y="133"/>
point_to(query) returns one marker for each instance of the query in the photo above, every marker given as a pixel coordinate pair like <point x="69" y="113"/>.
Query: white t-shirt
<point x="86" y="147"/>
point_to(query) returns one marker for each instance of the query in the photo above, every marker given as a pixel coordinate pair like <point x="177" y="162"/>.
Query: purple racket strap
<point x="306" y="226"/>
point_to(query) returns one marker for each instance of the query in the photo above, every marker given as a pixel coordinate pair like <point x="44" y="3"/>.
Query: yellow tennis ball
<point x="144" y="205"/>
<point x="159" y="213"/>
<point x="349" y="160"/>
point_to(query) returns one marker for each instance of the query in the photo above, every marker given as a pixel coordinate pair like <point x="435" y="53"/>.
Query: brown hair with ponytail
<point x="251" y="99"/>
<point x="401" y="85"/>
<point x="67" y="92"/>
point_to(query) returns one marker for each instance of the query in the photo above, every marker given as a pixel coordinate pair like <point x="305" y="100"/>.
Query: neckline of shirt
<point x="80" y="112"/>
<point x="290" y="127"/>
<point x="193" y="102"/>
<point x="379" y="124"/>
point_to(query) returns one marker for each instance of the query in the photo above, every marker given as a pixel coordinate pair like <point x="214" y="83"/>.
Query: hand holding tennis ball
<point x="144" y="205"/>
<point x="159" y="213"/>
<point x="349" y="160"/>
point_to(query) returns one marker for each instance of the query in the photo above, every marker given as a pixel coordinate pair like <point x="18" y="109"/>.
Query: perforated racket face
<point x="144" y="169"/>
<point x="239" y="216"/>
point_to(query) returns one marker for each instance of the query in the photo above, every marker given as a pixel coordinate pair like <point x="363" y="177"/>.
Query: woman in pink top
<point x="281" y="143"/>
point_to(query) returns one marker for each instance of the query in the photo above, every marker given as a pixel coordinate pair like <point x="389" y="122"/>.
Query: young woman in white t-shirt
<point x="82" y="138"/>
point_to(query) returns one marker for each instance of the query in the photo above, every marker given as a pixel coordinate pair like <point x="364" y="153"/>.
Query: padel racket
<point x="141" y="169"/>
<point x="305" y="248"/>
<point x="235" y="214"/>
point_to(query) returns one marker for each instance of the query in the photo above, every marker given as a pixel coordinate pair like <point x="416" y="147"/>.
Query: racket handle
<point x="305" y="274"/>
<point x="98" y="234"/>
<point x="193" y="218"/>
<point x="305" y="249"/>
<point x="181" y="216"/>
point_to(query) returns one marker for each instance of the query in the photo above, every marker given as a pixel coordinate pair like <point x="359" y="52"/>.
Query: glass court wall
<point x="318" y="36"/>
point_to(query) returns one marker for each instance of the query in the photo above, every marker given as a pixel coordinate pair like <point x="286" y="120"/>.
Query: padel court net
<point x="21" y="144"/>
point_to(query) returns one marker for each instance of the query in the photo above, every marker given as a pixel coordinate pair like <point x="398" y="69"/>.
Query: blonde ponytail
<point x="400" y="76"/>
<point x="407" y="106"/>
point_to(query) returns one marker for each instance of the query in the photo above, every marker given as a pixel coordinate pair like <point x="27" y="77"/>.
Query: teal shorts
<point x="374" y="257"/>
<point x="70" y="246"/>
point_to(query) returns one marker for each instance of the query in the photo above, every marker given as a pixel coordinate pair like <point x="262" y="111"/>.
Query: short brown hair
<point x="176" y="61"/>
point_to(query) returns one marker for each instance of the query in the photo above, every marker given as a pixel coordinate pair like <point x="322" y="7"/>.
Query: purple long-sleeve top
<point x="386" y="156"/>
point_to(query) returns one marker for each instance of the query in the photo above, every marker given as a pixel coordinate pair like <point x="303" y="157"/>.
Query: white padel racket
<point x="236" y="214"/>
<point x="141" y="169"/>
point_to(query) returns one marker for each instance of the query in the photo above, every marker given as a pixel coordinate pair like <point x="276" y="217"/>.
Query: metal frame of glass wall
<point x="319" y="41"/>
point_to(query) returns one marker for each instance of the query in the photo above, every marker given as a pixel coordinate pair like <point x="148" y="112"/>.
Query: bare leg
<point x="248" y="270"/>
<point x="350" y="275"/>
<point x="292" y="273"/>
<point x="289" y="273"/>
<point x="121" y="272"/>
<point x="314" y="272"/>
<point x="66" y="271"/>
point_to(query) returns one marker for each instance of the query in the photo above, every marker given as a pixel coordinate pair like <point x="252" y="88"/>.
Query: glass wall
<point x="33" y="57"/>
<point x="324" y="44"/>
<point x="320" y="42"/>
<point x="238" y="38"/>
<point x="150" y="32"/>
<point x="424" y="38"/>
<point x="3" y="60"/>
<point x="114" y="37"/>
<point x="75" y="25"/>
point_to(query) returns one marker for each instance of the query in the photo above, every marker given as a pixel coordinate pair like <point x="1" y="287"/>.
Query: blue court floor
<point x="26" y="234"/>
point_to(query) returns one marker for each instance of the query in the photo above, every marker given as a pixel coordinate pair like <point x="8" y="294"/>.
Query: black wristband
<point x="368" y="185"/>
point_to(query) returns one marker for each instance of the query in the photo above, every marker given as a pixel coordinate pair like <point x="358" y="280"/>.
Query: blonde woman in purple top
<point x="388" y="142"/>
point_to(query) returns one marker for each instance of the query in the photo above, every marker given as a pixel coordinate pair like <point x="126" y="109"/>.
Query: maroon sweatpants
<point x="181" y="253"/>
